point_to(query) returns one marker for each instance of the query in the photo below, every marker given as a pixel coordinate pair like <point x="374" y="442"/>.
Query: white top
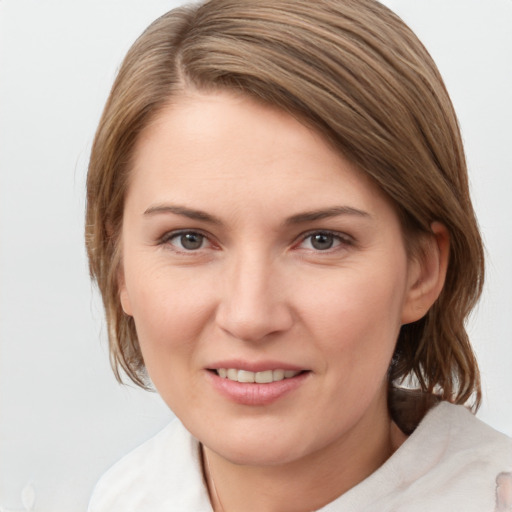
<point x="451" y="462"/>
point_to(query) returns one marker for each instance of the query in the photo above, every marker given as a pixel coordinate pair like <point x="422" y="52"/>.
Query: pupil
<point x="191" y="241"/>
<point x="322" y="241"/>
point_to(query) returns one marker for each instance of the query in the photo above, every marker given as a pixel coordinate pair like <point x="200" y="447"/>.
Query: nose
<point x="254" y="303"/>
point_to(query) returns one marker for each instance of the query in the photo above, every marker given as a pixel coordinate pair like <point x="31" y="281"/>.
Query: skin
<point x="257" y="289"/>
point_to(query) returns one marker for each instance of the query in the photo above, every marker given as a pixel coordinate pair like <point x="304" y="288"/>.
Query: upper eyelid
<point x="168" y="235"/>
<point x="344" y="242"/>
<point x="342" y="236"/>
<point x="338" y="234"/>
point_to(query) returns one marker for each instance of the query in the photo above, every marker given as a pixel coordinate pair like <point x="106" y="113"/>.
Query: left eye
<point x="188" y="241"/>
<point x="321" y="241"/>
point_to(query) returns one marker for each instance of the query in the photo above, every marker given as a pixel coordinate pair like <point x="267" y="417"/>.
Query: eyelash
<point x="340" y="239"/>
<point x="168" y="237"/>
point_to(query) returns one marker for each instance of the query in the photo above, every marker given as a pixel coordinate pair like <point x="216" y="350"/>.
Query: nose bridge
<point x="254" y="302"/>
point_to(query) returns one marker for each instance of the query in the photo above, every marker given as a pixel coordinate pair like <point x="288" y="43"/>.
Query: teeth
<point x="264" y="377"/>
<point x="278" y="375"/>
<point x="244" y="376"/>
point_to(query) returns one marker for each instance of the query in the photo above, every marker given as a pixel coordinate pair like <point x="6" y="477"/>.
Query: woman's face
<point x="252" y="249"/>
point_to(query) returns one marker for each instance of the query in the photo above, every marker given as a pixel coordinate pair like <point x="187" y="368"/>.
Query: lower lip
<point x="245" y="393"/>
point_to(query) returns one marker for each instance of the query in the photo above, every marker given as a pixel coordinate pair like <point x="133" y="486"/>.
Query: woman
<point x="280" y="225"/>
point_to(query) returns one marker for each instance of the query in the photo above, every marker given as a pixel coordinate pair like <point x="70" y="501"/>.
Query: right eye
<point x="186" y="240"/>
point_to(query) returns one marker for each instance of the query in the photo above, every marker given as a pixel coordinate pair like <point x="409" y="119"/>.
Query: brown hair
<point x="356" y="73"/>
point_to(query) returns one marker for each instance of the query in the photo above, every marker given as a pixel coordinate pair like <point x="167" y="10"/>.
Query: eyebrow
<point x="325" y="214"/>
<point x="185" y="212"/>
<point x="299" y="218"/>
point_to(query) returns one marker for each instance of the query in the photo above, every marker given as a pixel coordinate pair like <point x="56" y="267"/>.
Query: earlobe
<point x="124" y="296"/>
<point x="125" y="301"/>
<point x="427" y="273"/>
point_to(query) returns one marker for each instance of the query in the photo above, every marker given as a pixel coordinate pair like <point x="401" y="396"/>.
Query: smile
<point x="264" y="377"/>
<point x="256" y="388"/>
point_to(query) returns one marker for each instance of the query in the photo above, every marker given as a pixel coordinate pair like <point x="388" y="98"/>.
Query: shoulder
<point x="446" y="428"/>
<point x="461" y="432"/>
<point x="453" y="461"/>
<point x="164" y="473"/>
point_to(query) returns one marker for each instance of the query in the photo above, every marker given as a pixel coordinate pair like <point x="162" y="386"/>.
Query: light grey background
<point x="63" y="418"/>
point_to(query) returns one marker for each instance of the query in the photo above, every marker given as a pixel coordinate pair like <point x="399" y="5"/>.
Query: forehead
<point x="228" y="126"/>
<point x="224" y="149"/>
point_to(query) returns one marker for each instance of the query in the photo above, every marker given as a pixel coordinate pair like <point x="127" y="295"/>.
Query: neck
<point x="306" y="484"/>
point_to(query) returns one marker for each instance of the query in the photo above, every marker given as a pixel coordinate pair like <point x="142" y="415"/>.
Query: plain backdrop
<point x="63" y="418"/>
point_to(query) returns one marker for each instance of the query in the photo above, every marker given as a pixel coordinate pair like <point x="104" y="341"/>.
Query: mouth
<point x="256" y="384"/>
<point x="262" y="377"/>
<point x="256" y="388"/>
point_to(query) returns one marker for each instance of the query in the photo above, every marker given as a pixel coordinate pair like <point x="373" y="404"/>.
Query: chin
<point x="257" y="453"/>
<point x="252" y="443"/>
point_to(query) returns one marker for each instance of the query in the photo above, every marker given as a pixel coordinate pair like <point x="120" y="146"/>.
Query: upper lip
<point x="255" y="366"/>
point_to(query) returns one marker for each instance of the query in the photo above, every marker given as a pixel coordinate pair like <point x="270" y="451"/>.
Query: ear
<point x="427" y="273"/>
<point x="124" y="296"/>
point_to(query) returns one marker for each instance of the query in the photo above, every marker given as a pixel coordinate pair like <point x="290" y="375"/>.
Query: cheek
<point x="170" y="313"/>
<point x="169" y="327"/>
<point x="357" y="315"/>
